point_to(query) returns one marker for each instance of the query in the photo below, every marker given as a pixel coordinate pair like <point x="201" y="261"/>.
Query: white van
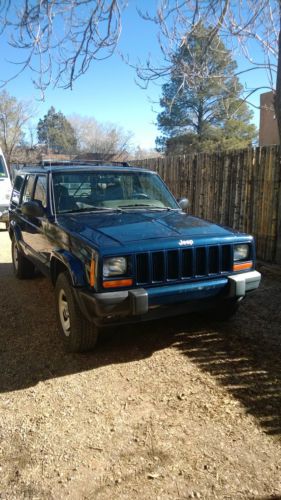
<point x="5" y="189"/>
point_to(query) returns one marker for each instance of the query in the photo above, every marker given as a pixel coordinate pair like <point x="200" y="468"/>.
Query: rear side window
<point x="28" y="189"/>
<point x="17" y="189"/>
<point x="3" y="171"/>
<point x="40" y="193"/>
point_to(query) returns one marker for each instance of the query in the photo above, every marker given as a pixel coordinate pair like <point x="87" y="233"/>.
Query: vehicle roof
<point x="79" y="167"/>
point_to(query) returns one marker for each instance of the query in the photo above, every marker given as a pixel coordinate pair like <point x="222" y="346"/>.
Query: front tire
<point x="23" y="268"/>
<point x="78" y="334"/>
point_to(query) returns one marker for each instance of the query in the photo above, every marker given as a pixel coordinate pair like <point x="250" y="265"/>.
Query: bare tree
<point x="102" y="139"/>
<point x="141" y="153"/>
<point x="60" y="39"/>
<point x="14" y="117"/>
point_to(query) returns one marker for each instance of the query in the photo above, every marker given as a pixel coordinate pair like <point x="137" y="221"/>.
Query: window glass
<point x="3" y="172"/>
<point x="76" y="191"/>
<point x="28" y="189"/>
<point x="17" y="189"/>
<point x="41" y="190"/>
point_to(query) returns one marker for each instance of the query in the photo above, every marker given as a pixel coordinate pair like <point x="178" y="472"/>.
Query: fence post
<point x="278" y="235"/>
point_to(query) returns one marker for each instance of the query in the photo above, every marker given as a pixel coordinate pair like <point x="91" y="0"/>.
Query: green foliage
<point x="234" y="135"/>
<point x="55" y="131"/>
<point x="202" y="105"/>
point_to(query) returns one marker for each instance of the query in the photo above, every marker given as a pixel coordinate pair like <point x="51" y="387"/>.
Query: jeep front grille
<point x="190" y="263"/>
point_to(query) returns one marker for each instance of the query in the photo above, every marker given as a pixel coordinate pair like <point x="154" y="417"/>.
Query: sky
<point x="108" y="91"/>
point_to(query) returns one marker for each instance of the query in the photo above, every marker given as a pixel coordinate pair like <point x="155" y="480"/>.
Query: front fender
<point x="14" y="231"/>
<point x="76" y="268"/>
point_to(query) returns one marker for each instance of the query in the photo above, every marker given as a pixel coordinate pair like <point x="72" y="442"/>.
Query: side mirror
<point x="183" y="203"/>
<point x="32" y="209"/>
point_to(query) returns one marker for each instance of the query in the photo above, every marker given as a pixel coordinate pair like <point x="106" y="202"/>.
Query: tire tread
<point x="25" y="268"/>
<point x="83" y="333"/>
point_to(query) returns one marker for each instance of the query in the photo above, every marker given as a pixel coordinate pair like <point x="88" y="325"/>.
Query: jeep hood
<point x="123" y="228"/>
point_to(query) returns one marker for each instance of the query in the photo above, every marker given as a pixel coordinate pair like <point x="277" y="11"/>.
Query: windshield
<point x="86" y="191"/>
<point x="3" y="171"/>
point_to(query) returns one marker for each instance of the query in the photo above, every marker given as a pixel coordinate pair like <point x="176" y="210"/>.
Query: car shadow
<point x="243" y="354"/>
<point x="238" y="354"/>
<point x="31" y="350"/>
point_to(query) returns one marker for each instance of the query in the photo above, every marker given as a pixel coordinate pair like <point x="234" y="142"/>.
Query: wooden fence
<point x="240" y="189"/>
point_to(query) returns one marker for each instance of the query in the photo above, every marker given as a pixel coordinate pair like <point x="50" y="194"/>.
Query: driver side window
<point x="40" y="193"/>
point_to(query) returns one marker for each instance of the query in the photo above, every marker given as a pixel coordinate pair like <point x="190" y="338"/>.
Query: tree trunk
<point x="277" y="106"/>
<point x="277" y="97"/>
<point x="200" y="121"/>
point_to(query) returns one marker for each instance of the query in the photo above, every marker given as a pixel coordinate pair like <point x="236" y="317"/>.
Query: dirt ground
<point x="174" y="409"/>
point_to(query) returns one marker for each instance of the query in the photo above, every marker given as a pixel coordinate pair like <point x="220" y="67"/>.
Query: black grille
<point x="190" y="263"/>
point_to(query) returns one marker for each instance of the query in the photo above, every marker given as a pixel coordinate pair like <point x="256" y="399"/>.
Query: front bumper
<point x="168" y="300"/>
<point x="241" y="284"/>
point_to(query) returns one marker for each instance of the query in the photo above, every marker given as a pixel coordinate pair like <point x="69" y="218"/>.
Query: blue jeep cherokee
<point x="118" y="247"/>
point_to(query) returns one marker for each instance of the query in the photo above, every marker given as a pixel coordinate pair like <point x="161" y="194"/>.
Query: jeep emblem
<point x="185" y="243"/>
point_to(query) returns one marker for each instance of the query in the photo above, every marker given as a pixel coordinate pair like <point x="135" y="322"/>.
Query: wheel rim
<point x="15" y="256"/>
<point x="64" y="313"/>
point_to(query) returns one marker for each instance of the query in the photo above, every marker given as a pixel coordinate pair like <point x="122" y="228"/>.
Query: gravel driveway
<point x="173" y="409"/>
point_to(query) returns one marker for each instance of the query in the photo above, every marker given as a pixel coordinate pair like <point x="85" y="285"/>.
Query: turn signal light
<point x="242" y="266"/>
<point x="117" y="283"/>
<point x="92" y="272"/>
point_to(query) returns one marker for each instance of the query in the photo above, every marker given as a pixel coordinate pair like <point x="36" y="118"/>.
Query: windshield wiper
<point x="146" y="205"/>
<point x="90" y="209"/>
<point x="133" y="205"/>
<point x="166" y="208"/>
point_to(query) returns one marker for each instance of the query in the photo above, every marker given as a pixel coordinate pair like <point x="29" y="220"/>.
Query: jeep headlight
<point x="241" y="252"/>
<point x="114" y="266"/>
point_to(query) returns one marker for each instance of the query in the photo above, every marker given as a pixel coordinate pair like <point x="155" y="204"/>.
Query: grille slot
<point x="226" y="258"/>
<point x="183" y="264"/>
<point x="142" y="268"/>
<point x="214" y="264"/>
<point x="173" y="264"/>
<point x="158" y="266"/>
<point x="201" y="262"/>
<point x="187" y="263"/>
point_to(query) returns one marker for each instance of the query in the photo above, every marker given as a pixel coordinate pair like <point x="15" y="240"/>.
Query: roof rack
<point x="53" y="162"/>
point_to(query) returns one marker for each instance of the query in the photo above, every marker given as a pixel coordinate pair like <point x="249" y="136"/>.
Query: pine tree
<point x="203" y="108"/>
<point x="55" y="131"/>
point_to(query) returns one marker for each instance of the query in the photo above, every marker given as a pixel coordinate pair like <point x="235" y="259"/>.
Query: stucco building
<point x="268" y="134"/>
